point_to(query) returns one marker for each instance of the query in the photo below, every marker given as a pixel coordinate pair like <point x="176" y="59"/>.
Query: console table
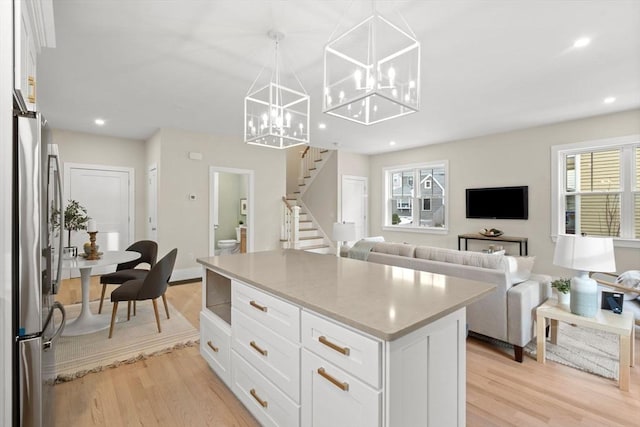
<point x="522" y="241"/>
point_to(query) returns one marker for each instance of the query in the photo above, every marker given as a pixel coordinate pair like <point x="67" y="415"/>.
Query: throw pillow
<point x="519" y="268"/>
<point x="374" y="239"/>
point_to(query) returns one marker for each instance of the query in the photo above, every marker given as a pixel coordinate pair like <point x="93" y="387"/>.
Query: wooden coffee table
<point x="621" y="324"/>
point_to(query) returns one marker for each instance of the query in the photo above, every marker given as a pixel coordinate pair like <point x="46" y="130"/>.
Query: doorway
<point x="230" y="204"/>
<point x="354" y="203"/>
<point x="107" y="192"/>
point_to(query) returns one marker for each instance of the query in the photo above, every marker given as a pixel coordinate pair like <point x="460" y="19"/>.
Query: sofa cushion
<point x="475" y="259"/>
<point x="518" y="268"/>
<point x="400" y="249"/>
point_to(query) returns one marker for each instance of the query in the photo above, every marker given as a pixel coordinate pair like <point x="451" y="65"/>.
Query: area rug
<point x="132" y="340"/>
<point x="581" y="348"/>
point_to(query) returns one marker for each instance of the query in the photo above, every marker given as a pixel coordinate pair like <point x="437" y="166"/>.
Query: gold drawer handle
<point x="214" y="348"/>
<point x="262" y="403"/>
<point x="343" y="350"/>
<point x="341" y="386"/>
<point x="258" y="306"/>
<point x="258" y="349"/>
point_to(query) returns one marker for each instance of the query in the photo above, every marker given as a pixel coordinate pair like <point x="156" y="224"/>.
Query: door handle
<point x="215" y="226"/>
<point x="46" y="345"/>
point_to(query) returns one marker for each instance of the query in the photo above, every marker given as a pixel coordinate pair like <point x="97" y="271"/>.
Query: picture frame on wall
<point x="243" y="206"/>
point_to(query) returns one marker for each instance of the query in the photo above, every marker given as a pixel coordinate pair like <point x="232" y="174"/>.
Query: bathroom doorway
<point x="230" y="209"/>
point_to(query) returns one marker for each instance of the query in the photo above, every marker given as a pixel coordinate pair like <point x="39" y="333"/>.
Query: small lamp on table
<point x="584" y="254"/>
<point x="343" y="232"/>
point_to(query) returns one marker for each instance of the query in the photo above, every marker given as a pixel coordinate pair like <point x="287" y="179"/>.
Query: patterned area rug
<point x="582" y="348"/>
<point x="132" y="341"/>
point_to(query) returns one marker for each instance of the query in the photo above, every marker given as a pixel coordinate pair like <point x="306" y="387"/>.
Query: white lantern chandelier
<point x="274" y="115"/>
<point x="372" y="72"/>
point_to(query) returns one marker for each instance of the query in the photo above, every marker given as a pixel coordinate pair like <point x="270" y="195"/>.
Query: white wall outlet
<point x="193" y="155"/>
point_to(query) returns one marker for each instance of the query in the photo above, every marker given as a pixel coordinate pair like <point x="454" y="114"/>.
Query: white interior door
<point x="354" y="203"/>
<point x="152" y="204"/>
<point x="107" y="194"/>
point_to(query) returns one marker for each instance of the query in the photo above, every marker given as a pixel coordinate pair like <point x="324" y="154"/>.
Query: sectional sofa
<point x="506" y="315"/>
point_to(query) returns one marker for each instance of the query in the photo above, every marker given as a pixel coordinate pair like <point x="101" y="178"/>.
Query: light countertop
<point x="385" y="301"/>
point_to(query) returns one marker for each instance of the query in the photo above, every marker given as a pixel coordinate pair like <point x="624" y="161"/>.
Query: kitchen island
<point x="314" y="340"/>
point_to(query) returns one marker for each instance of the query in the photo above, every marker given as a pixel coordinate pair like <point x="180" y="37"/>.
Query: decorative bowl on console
<point x="491" y="232"/>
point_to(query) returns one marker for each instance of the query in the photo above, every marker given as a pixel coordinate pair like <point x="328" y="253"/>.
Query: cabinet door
<point x="333" y="398"/>
<point x="24" y="54"/>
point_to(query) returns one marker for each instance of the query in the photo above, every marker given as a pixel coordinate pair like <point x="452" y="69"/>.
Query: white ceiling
<point x="487" y="66"/>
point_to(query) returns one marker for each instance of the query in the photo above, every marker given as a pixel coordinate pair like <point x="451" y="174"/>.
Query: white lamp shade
<point x="344" y="231"/>
<point x="585" y="253"/>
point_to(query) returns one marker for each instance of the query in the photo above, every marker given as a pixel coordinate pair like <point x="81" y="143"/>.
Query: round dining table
<point x="87" y="322"/>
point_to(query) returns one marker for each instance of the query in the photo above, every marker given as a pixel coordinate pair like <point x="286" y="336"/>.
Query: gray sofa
<point x="508" y="313"/>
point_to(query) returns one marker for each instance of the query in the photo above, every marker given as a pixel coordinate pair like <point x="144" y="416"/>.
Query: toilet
<point x="227" y="247"/>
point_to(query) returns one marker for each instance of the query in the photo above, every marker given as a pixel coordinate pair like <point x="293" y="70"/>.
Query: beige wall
<point x="293" y="167"/>
<point x="184" y="223"/>
<point x="76" y="147"/>
<point x="515" y="158"/>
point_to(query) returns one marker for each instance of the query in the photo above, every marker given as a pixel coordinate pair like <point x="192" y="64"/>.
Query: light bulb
<point x="407" y="97"/>
<point x="341" y="95"/>
<point x="375" y="108"/>
<point x="357" y="75"/>
<point x="329" y="101"/>
<point x="288" y="119"/>
<point x="394" y="92"/>
<point x="265" y="119"/>
<point x="392" y="75"/>
<point x="412" y="84"/>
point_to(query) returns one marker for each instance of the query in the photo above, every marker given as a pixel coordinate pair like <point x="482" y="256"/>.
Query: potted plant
<point x="562" y="287"/>
<point x="75" y="218"/>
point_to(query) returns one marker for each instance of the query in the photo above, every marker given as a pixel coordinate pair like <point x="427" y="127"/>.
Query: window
<point x="421" y="186"/>
<point x="597" y="189"/>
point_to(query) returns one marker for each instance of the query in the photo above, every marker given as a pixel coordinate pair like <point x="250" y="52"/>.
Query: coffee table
<point x="605" y="320"/>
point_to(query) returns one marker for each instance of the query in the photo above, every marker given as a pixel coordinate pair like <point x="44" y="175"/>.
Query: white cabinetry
<point x="291" y="366"/>
<point x="33" y="30"/>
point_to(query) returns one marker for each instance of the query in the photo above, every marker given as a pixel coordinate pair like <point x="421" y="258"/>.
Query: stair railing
<point x="290" y="228"/>
<point x="308" y="160"/>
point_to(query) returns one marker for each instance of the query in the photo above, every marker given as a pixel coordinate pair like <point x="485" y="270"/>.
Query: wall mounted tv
<point x="498" y="202"/>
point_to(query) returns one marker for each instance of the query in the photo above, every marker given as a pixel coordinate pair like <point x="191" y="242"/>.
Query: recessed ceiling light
<point x="392" y="143"/>
<point x="99" y="122"/>
<point x="322" y="126"/>
<point x="582" y="42"/>
<point x="609" y="100"/>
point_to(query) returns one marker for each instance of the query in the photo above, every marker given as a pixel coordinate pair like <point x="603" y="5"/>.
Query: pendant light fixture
<point x="372" y="72"/>
<point x="274" y="115"/>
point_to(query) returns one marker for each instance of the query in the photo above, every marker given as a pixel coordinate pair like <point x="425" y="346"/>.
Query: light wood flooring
<point x="179" y="389"/>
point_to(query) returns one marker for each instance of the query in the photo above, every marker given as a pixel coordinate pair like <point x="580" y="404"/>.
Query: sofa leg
<point x="517" y="350"/>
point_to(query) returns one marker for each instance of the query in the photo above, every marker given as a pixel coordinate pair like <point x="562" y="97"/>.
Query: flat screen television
<point x="498" y="202"/>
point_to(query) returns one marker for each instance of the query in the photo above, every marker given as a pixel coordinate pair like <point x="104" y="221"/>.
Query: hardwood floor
<point x="179" y="389"/>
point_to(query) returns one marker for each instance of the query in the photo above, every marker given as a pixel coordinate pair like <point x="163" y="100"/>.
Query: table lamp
<point x="584" y="254"/>
<point x="343" y="232"/>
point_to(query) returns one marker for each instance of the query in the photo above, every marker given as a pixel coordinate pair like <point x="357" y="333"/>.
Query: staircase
<point x="304" y="233"/>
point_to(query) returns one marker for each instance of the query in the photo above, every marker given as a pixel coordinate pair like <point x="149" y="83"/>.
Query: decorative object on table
<point x="75" y="218"/>
<point x="92" y="229"/>
<point x="584" y="254"/>
<point x="562" y="287"/>
<point x="276" y="116"/>
<point x="372" y="72"/>
<point x="343" y="232"/>
<point x="87" y="248"/>
<point x="612" y="301"/>
<point x="491" y="232"/>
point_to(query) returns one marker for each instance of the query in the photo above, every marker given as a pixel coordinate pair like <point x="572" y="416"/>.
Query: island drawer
<point x="349" y="350"/>
<point x="275" y="357"/>
<point x="275" y="314"/>
<point x="215" y="345"/>
<point x="268" y="404"/>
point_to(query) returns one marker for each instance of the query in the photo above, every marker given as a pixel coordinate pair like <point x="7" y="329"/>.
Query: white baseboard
<point x="186" y="274"/>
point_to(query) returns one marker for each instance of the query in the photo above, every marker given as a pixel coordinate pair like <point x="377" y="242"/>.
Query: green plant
<point x="562" y="285"/>
<point x="75" y="218"/>
<point x="395" y="219"/>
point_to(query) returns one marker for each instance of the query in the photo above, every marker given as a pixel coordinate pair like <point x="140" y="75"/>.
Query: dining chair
<point x="151" y="287"/>
<point x="148" y="250"/>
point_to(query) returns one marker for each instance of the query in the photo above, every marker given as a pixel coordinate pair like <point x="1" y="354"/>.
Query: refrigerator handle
<point x="48" y="342"/>
<point x="60" y="243"/>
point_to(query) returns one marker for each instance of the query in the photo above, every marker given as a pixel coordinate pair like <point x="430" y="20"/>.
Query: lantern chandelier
<point x="372" y="72"/>
<point x="274" y="115"/>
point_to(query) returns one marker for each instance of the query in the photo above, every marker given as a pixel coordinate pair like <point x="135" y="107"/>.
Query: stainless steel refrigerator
<point x="36" y="261"/>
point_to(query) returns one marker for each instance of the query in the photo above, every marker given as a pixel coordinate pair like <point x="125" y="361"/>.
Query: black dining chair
<point x="151" y="287"/>
<point x="148" y="250"/>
